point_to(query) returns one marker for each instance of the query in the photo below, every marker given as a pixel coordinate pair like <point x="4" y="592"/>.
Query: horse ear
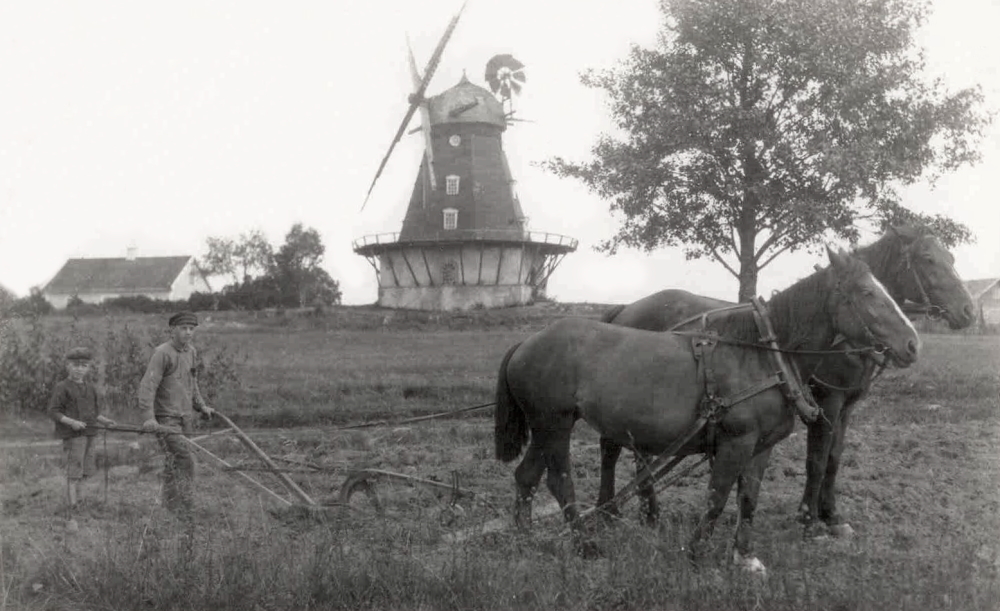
<point x="838" y="260"/>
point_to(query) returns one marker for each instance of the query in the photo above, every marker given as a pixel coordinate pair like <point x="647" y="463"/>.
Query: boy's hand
<point x="76" y="425"/>
<point x="207" y="412"/>
<point x="151" y="425"/>
<point x="106" y="421"/>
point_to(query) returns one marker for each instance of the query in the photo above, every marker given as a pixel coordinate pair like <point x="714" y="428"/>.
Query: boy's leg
<point x="73" y="449"/>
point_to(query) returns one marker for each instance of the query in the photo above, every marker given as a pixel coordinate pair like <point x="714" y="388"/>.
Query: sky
<point x="158" y="125"/>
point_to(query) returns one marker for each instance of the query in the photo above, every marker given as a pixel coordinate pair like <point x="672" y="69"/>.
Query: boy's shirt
<point x="170" y="387"/>
<point x="77" y="400"/>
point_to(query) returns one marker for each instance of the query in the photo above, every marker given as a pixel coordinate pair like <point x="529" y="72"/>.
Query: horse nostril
<point x="912" y="347"/>
<point x="969" y="311"/>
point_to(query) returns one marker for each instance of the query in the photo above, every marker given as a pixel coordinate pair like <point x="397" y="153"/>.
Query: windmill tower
<point x="464" y="242"/>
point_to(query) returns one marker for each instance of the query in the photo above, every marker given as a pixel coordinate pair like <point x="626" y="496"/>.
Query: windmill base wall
<point x="454" y="297"/>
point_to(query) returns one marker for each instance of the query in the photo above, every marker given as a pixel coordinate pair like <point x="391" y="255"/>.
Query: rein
<point x="736" y="342"/>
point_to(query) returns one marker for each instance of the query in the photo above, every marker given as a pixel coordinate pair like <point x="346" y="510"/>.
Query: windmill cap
<point x="466" y="102"/>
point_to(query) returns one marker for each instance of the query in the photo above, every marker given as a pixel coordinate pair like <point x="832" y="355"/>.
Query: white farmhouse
<point x="94" y="280"/>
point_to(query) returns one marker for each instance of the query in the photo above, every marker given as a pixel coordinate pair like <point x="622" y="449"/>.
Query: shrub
<point x="30" y="367"/>
<point x="32" y="306"/>
<point x="32" y="363"/>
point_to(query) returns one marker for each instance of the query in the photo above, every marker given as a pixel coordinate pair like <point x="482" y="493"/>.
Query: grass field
<point x="920" y="484"/>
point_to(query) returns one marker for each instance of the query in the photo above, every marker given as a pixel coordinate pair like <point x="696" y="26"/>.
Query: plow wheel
<point x="362" y="480"/>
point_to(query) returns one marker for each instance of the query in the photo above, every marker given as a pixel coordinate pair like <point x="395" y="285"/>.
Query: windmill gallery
<point x="464" y="242"/>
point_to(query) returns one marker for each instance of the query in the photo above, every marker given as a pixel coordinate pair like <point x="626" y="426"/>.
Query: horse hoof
<point x="750" y="564"/>
<point x="842" y="530"/>
<point x="589" y="550"/>
<point x="815" y="531"/>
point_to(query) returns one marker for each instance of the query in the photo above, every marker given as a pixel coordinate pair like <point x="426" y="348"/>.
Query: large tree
<point x="758" y="127"/>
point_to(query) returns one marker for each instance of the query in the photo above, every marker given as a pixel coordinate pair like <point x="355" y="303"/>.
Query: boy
<point x="167" y="394"/>
<point x="75" y="406"/>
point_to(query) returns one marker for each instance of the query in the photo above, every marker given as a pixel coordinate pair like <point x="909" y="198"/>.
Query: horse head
<point x="865" y="313"/>
<point x="929" y="278"/>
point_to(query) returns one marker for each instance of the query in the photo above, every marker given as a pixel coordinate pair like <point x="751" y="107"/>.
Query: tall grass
<point x="249" y="566"/>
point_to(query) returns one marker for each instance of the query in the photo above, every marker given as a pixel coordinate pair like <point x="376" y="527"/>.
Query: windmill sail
<point x="425" y="119"/>
<point x="417" y="97"/>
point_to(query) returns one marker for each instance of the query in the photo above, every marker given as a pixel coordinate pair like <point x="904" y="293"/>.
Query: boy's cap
<point x="183" y="318"/>
<point x="79" y="354"/>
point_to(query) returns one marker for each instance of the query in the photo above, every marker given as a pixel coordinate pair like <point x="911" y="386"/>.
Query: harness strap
<point x="790" y="384"/>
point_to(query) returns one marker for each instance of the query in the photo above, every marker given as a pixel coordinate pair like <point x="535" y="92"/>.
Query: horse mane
<point x="610" y="315"/>
<point x="885" y="256"/>
<point x="796" y="312"/>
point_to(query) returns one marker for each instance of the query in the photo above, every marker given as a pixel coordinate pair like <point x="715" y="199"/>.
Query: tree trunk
<point x="748" y="266"/>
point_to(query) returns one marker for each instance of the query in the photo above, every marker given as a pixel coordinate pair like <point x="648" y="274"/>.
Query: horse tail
<point x="610" y="315"/>
<point x="510" y="430"/>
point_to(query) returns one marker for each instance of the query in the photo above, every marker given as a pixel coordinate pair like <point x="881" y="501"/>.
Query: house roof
<point x="978" y="287"/>
<point x="116" y="275"/>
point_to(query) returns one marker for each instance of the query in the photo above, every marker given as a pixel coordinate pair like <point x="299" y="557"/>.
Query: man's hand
<point x="151" y="426"/>
<point x="106" y="421"/>
<point x="76" y="425"/>
<point x="207" y="412"/>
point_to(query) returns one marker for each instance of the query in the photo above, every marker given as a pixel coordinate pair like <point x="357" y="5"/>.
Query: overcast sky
<point x="161" y="124"/>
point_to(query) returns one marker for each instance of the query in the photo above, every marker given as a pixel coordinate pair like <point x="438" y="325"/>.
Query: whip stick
<point x="107" y="467"/>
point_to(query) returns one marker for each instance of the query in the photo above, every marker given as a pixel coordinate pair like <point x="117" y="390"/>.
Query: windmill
<point x="464" y="241"/>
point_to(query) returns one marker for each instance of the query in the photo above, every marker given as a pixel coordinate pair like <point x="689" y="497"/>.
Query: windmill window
<point x="451" y="184"/>
<point x="450" y="218"/>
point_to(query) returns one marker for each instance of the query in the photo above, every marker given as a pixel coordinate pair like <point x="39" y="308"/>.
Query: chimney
<point x="130" y="252"/>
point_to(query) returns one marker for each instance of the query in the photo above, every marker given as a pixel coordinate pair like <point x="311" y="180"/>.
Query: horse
<point x="915" y="268"/>
<point x="643" y="389"/>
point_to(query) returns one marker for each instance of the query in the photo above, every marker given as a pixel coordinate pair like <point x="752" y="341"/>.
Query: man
<point x="167" y="394"/>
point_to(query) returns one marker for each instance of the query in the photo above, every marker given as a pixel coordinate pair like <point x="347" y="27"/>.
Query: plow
<point x="363" y="482"/>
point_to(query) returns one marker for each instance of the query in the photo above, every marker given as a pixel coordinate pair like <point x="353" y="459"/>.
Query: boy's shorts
<point x="81" y="461"/>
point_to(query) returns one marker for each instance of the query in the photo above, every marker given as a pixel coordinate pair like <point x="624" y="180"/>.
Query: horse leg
<point x="610" y="451"/>
<point x="730" y="458"/>
<point x="747" y="492"/>
<point x="559" y="480"/>
<point x="648" y="507"/>
<point x="560" y="483"/>
<point x="526" y="477"/>
<point x="819" y="440"/>
<point x="828" y="492"/>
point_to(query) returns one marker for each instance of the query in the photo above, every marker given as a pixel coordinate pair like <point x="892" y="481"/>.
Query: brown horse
<point x="642" y="389"/>
<point x="915" y="267"/>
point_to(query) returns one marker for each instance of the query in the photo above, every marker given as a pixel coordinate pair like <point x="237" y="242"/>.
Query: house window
<point x="450" y="218"/>
<point x="451" y="184"/>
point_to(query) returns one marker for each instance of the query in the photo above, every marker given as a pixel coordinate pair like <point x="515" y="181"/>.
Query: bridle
<point x="926" y="306"/>
<point x="877" y="347"/>
<point x="876" y="351"/>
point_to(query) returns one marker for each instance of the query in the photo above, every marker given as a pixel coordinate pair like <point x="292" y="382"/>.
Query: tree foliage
<point x="757" y="127"/>
<point x="263" y="277"/>
<point x="246" y="257"/>
<point x="297" y="270"/>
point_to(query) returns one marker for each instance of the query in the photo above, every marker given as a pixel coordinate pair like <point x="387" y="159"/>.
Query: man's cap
<point x="183" y="318"/>
<point x="79" y="353"/>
